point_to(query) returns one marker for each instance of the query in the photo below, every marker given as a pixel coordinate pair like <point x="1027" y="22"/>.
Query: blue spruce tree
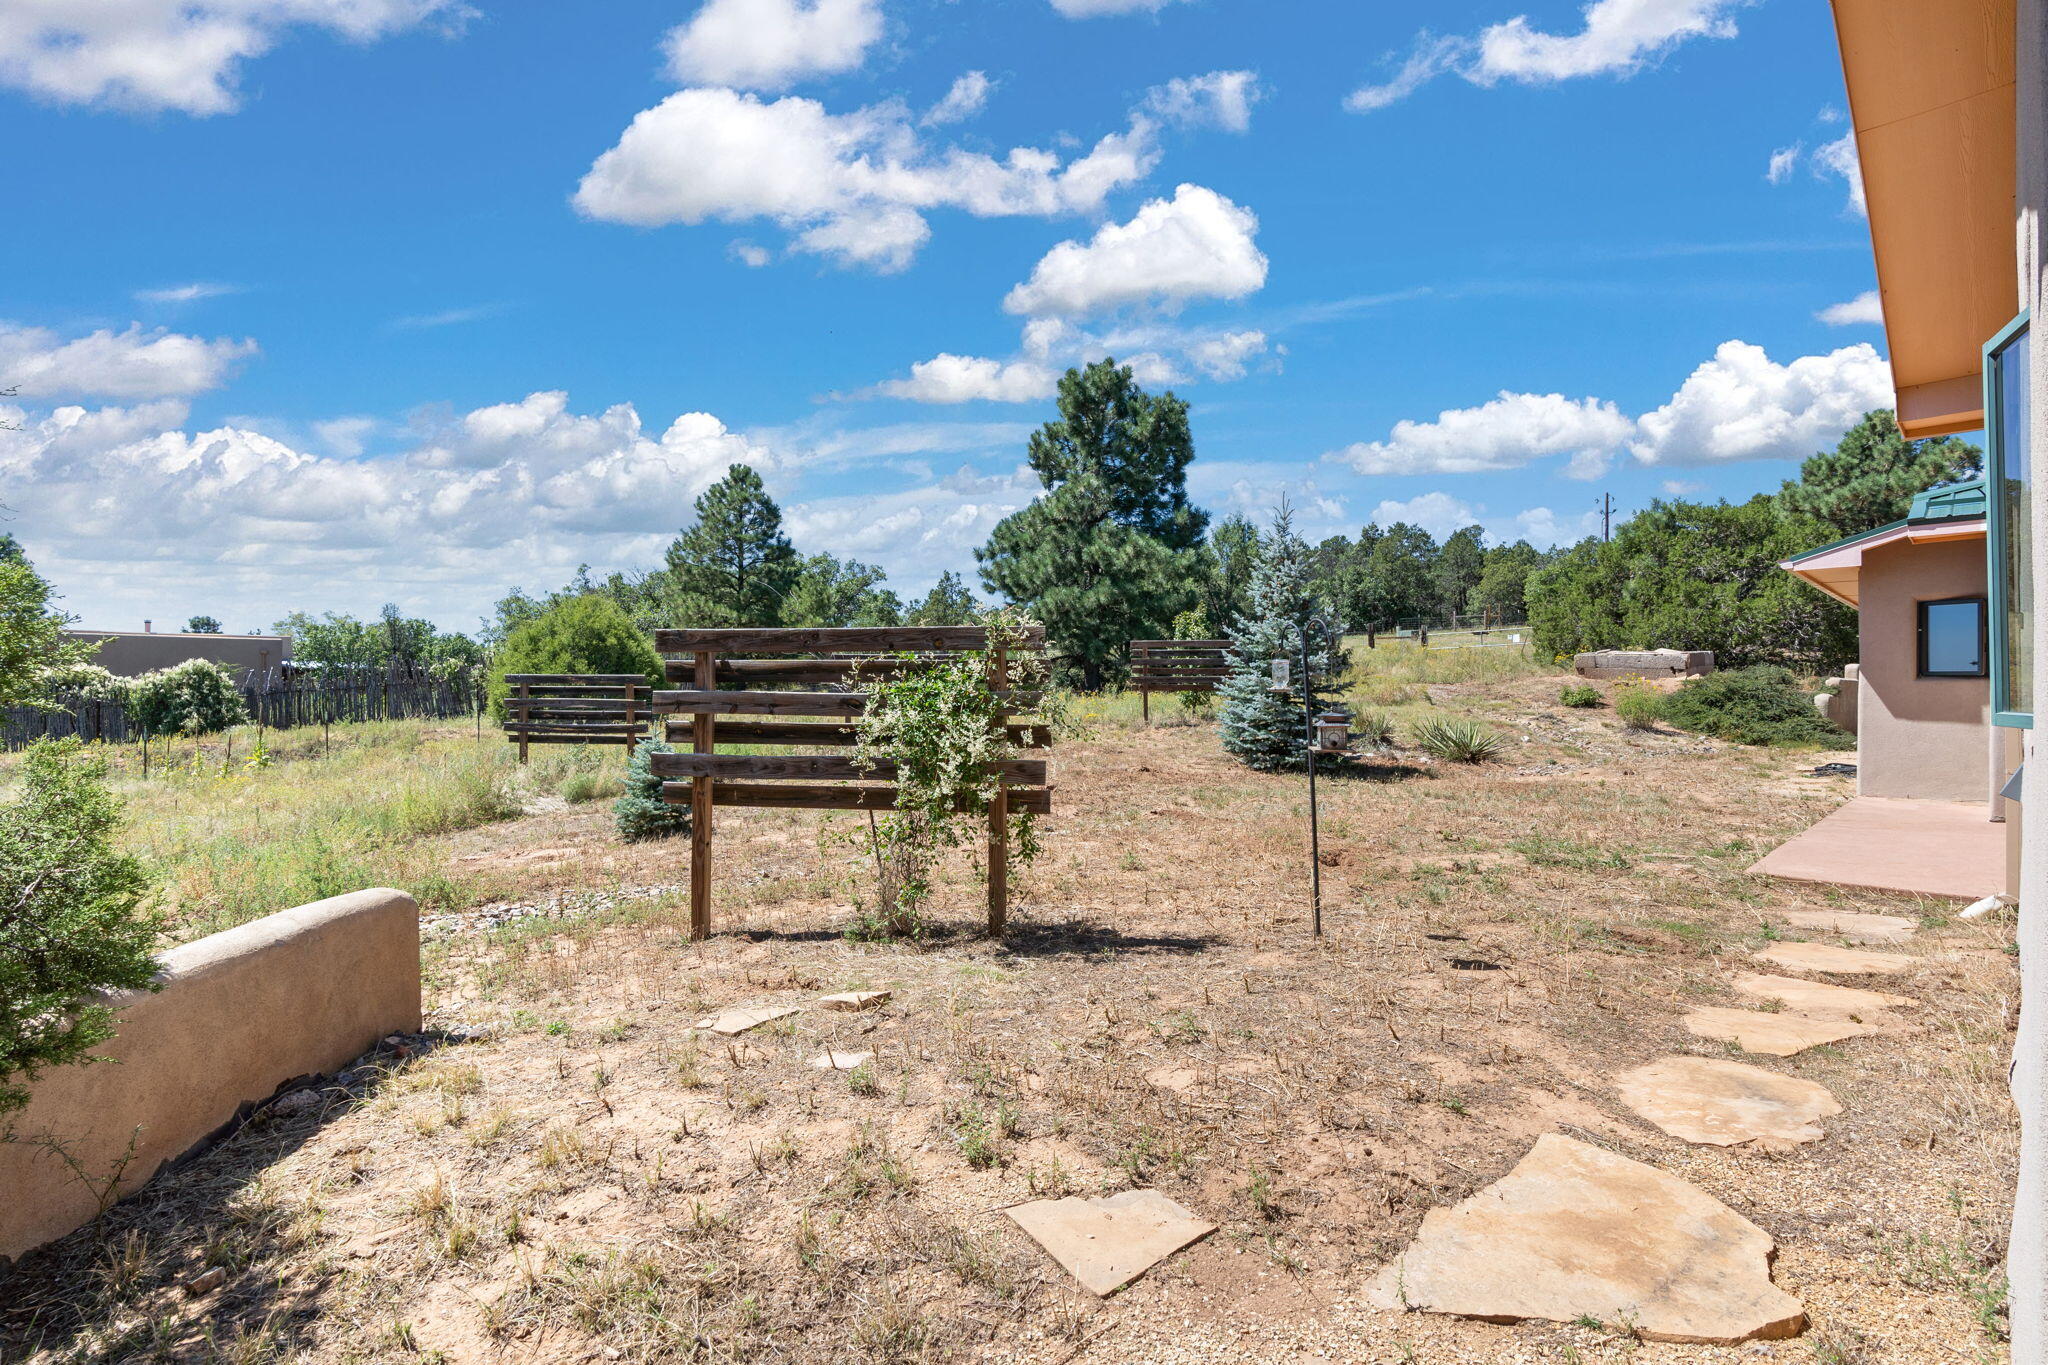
<point x="1260" y="727"/>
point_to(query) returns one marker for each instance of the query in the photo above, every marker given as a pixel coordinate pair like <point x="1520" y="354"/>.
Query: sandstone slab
<point x="1727" y="1104"/>
<point x="1780" y="1034"/>
<point x="839" y="1061"/>
<point x="1106" y="1243"/>
<point x="850" y="1001"/>
<point x="739" y="1021"/>
<point x="1652" y="664"/>
<point x="1572" y="1231"/>
<point x="1824" y="1000"/>
<point x="1856" y="927"/>
<point x="1826" y="957"/>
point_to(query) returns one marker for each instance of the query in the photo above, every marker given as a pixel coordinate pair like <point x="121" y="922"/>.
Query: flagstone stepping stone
<point x="1824" y="1000"/>
<point x="853" y="1000"/>
<point x="1106" y="1243"/>
<point x="1827" y="957"/>
<point x="1727" y="1104"/>
<point x="1574" y="1231"/>
<point x="1854" y="926"/>
<point x="839" y="1061"/>
<point x="739" y="1021"/>
<point x="1779" y="1034"/>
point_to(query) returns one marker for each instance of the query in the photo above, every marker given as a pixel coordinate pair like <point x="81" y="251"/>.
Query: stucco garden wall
<point x="1918" y="737"/>
<point x="299" y="993"/>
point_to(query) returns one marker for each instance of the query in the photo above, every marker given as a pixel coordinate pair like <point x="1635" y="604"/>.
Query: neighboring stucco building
<point x="130" y="653"/>
<point x="1949" y="102"/>
<point x="1922" y="688"/>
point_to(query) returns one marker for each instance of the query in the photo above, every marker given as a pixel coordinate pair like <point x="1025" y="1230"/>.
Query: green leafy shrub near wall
<point x="640" y="813"/>
<point x="71" y="916"/>
<point x="196" y="697"/>
<point x="1579" y="695"/>
<point x="1639" y="705"/>
<point x="1763" y="704"/>
<point x="589" y="634"/>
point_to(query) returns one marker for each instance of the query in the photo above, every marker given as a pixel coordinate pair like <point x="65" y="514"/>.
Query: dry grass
<point x="596" y="1178"/>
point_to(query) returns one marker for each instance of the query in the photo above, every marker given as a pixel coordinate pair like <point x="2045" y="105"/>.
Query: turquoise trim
<point x="1845" y="542"/>
<point x="1964" y="501"/>
<point x="2003" y="713"/>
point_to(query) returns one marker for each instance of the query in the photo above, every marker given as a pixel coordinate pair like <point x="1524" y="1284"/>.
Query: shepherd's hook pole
<point x="1315" y="842"/>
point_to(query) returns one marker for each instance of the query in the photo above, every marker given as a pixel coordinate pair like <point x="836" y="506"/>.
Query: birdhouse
<point x="1333" y="732"/>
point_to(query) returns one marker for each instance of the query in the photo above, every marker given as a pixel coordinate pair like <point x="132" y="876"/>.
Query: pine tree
<point x="1137" y="444"/>
<point x="1457" y="570"/>
<point x="203" y="625"/>
<point x="1260" y="727"/>
<point x="640" y="813"/>
<point x="1095" y="583"/>
<point x="1870" y="477"/>
<point x="734" y="567"/>
<point x="947" y="604"/>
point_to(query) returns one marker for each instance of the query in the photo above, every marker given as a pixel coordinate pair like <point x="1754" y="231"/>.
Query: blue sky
<point x="316" y="304"/>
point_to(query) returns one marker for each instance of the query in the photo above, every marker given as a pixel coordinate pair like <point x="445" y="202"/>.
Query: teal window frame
<point x="2003" y="711"/>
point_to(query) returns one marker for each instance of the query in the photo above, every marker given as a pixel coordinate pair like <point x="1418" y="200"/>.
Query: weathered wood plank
<point x="842" y="640"/>
<point x="745" y="671"/>
<point x="616" y="731"/>
<point x="1180" y="644"/>
<point x="826" y="767"/>
<point x="581" y="705"/>
<point x="709" y="703"/>
<point x="576" y="679"/>
<point x="792" y="796"/>
<point x="811" y="733"/>
<point x="549" y="737"/>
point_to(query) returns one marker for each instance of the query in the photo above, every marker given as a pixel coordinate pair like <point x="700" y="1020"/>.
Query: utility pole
<point x="1606" y="517"/>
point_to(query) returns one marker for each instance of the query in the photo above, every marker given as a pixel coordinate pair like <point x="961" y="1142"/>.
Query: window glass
<point x="1952" y="638"/>
<point x="2006" y="426"/>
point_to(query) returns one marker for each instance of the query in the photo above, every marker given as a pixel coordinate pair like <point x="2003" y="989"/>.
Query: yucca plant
<point x="1372" y="729"/>
<point x="1459" y="741"/>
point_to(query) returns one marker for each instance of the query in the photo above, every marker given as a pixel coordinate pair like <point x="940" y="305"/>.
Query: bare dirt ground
<point x="563" y="1169"/>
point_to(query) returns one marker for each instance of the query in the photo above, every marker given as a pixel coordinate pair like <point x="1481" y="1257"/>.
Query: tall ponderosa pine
<point x="1456" y="573"/>
<point x="1260" y="727"/>
<point x="1095" y="583"/>
<point x="734" y="567"/>
<point x="1137" y="444"/>
<point x="947" y="604"/>
<point x="1870" y="477"/>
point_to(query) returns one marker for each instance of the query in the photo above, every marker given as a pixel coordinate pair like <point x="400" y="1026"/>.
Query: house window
<point x="1953" y="640"/>
<point x="2009" y="463"/>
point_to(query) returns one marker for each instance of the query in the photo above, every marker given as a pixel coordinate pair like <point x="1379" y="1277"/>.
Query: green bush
<point x="1459" y="741"/>
<point x="589" y="634"/>
<point x="640" y="813"/>
<point x="196" y="697"/>
<point x="1763" y="704"/>
<point x="71" y="916"/>
<point x="1640" y="707"/>
<point x="1579" y="695"/>
<point x="1373" y="729"/>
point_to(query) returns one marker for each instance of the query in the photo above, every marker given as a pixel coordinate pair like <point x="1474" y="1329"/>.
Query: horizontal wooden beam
<point x="580" y="704"/>
<point x="552" y="727"/>
<point x="843" y="640"/>
<point x="577" y="679"/>
<point x="810" y="733"/>
<point x="550" y="737"/>
<point x="827" y="767"/>
<point x="1176" y="687"/>
<point x="792" y="796"/>
<point x="1180" y="644"/>
<point x="696" y="703"/>
<point x="745" y="671"/>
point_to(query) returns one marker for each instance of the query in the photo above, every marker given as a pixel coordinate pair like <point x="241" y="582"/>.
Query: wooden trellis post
<point x="703" y="741"/>
<point x="522" y="701"/>
<point x="999" y="811"/>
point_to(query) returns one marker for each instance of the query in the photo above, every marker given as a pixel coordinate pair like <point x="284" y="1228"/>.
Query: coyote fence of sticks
<point x="725" y="680"/>
<point x="1177" y="666"/>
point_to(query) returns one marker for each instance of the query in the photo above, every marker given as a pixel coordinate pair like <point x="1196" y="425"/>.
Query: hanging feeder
<point x="1280" y="677"/>
<point x="1333" y="732"/>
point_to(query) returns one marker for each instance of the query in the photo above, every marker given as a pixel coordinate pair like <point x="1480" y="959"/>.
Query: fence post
<point x="999" y="815"/>
<point x="519" y="714"/>
<point x="703" y="740"/>
<point x="632" y="716"/>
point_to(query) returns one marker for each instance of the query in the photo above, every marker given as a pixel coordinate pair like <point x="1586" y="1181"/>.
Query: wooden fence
<point x="277" y="700"/>
<point x="723" y="682"/>
<point x="1177" y="666"/>
<point x="576" y="708"/>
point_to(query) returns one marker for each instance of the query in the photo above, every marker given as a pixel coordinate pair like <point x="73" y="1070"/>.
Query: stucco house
<point x="1919" y="696"/>
<point x="130" y="653"/>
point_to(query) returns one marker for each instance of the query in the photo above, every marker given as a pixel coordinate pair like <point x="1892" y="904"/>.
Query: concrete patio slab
<point x="1923" y="848"/>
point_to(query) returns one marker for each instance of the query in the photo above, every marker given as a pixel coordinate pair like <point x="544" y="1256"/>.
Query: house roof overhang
<point x="1931" y="99"/>
<point x="1837" y="569"/>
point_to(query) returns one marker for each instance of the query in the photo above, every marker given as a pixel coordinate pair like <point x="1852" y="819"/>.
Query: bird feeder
<point x="1280" y="677"/>
<point x="1333" y="732"/>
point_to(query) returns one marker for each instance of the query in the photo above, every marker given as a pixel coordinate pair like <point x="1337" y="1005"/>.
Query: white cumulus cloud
<point x="1507" y="432"/>
<point x="1095" y="9"/>
<point x="1839" y="158"/>
<point x="1221" y="99"/>
<point x="1742" y="405"/>
<point x="967" y="97"/>
<point x="948" y="378"/>
<point x="130" y="364"/>
<point x="1865" y="310"/>
<point x="1616" y="37"/>
<point x="770" y="44"/>
<point x="1196" y="245"/>
<point x="178" y="55"/>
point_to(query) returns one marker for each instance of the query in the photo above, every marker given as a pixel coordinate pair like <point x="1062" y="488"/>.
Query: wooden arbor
<point x="1177" y="666"/>
<point x="576" y="708"/>
<point x="725" y="680"/>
